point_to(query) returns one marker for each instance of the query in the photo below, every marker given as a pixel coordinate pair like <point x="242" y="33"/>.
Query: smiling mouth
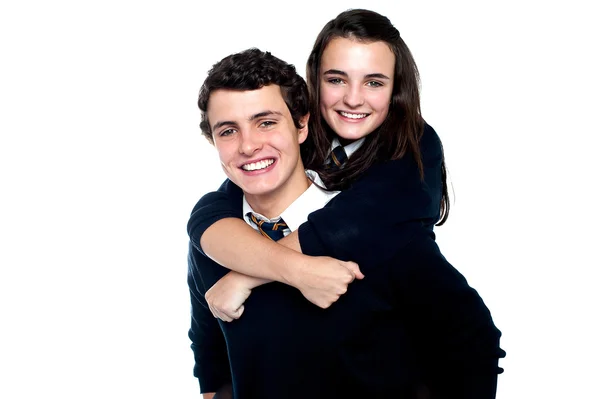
<point x="352" y="116"/>
<point x="265" y="163"/>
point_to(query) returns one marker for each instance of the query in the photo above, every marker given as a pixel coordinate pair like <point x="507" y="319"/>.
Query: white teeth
<point x="258" y="165"/>
<point x="353" y="116"/>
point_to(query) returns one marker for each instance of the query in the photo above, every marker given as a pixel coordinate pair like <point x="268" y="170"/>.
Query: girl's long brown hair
<point x="402" y="129"/>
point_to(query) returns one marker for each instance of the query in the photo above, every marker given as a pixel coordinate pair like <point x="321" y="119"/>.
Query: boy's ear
<point x="303" y="131"/>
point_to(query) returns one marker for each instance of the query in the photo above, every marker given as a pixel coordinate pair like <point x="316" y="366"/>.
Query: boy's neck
<point x="273" y="204"/>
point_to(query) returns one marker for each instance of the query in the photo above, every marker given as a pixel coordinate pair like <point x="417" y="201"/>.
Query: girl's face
<point x="356" y="86"/>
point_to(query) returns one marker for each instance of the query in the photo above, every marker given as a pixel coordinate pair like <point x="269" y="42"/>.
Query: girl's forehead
<point x="347" y="54"/>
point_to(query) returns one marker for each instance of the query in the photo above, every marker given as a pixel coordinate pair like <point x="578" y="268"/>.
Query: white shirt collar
<point x="314" y="198"/>
<point x="350" y="148"/>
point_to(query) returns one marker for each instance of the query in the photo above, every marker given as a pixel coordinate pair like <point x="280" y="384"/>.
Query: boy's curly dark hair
<point x="250" y="70"/>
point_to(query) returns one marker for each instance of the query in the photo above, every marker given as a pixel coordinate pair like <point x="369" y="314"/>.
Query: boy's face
<point x="258" y="143"/>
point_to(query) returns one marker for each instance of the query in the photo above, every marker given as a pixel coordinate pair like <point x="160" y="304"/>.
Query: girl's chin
<point x="353" y="135"/>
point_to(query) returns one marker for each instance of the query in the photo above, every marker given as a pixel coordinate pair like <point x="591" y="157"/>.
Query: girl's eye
<point x="374" y="83"/>
<point x="335" y="81"/>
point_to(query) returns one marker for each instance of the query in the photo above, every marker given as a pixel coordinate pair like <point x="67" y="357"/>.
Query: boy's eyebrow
<point x="368" y="76"/>
<point x="222" y="123"/>
<point x="263" y="114"/>
<point x="250" y="119"/>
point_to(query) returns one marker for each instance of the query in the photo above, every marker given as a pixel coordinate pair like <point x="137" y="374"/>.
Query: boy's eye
<point x="227" y="132"/>
<point x="267" y="123"/>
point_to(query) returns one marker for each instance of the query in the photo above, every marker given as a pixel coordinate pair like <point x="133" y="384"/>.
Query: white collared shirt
<point x="350" y="148"/>
<point x="312" y="199"/>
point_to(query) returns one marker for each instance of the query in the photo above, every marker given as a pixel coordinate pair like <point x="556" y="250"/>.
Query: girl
<point x="363" y="85"/>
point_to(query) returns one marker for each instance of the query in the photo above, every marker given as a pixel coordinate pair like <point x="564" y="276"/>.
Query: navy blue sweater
<point x="413" y="323"/>
<point x="453" y="330"/>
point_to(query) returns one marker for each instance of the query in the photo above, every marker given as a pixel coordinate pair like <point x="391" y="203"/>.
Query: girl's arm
<point x="390" y="200"/>
<point x="388" y="195"/>
<point x="212" y="207"/>
<point x="258" y="260"/>
<point x="386" y="205"/>
<point x="217" y="219"/>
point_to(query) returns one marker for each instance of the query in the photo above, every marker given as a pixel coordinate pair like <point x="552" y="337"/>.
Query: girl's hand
<point x="226" y="298"/>
<point x="322" y="280"/>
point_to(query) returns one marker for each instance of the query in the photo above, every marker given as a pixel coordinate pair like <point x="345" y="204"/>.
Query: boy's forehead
<point x="241" y="104"/>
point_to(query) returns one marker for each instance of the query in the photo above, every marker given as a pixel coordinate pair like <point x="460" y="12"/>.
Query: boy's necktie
<point x="274" y="231"/>
<point x="337" y="158"/>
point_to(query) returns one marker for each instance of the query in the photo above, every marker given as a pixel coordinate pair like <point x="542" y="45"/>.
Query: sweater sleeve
<point x="208" y="343"/>
<point x="214" y="206"/>
<point x="381" y="210"/>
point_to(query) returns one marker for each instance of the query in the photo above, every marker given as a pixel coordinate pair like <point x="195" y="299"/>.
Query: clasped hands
<point x="321" y="279"/>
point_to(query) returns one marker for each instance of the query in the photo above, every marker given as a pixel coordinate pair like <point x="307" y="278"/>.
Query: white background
<point x="101" y="161"/>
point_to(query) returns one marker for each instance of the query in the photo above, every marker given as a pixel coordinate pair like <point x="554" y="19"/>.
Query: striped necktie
<point x="274" y="231"/>
<point x="337" y="158"/>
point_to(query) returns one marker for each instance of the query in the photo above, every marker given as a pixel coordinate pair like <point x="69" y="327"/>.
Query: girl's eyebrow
<point x="335" y="72"/>
<point x="377" y="75"/>
<point x="368" y="76"/>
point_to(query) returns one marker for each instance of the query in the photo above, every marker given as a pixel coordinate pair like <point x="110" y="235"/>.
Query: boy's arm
<point x="225" y="392"/>
<point x="208" y="343"/>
